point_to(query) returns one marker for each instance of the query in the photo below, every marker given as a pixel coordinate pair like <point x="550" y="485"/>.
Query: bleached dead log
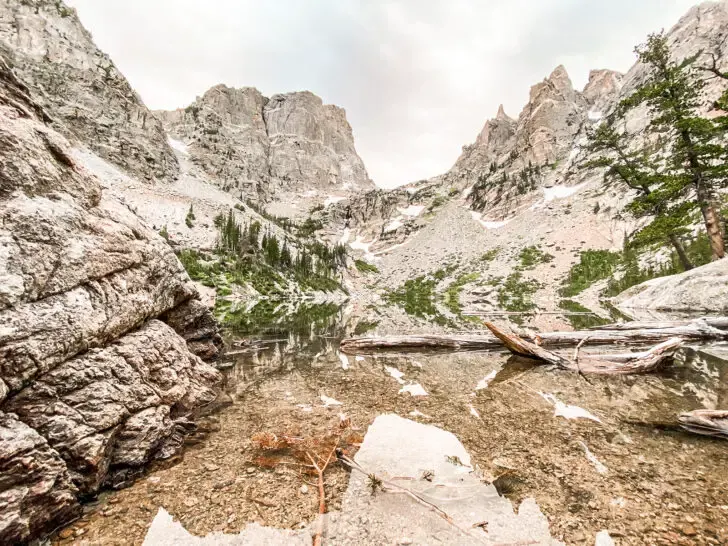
<point x="706" y="422"/>
<point x="721" y="323"/>
<point x="646" y="334"/>
<point x="646" y="362"/>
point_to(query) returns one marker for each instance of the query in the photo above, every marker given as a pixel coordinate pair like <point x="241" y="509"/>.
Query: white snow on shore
<point x="414" y="389"/>
<point x="412" y="211"/>
<point x="487" y="224"/>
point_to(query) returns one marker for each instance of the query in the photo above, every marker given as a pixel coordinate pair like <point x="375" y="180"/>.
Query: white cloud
<point x="418" y="78"/>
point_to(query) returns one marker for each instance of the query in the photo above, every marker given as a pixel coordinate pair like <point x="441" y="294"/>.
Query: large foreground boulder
<point x="93" y="383"/>
<point x="703" y="289"/>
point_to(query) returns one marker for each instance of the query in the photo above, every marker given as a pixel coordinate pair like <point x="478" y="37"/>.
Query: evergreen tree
<point x="635" y="169"/>
<point x="696" y="158"/>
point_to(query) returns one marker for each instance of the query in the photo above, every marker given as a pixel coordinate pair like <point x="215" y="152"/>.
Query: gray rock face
<point x="227" y="137"/>
<point x="115" y="406"/>
<point x="35" y="489"/>
<point x="262" y="148"/>
<point x="82" y="90"/>
<point x="547" y="125"/>
<point x="99" y="385"/>
<point x="701" y="289"/>
<point x="543" y="147"/>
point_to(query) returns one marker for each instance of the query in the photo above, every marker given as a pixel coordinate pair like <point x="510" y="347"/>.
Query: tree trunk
<point x="705" y="200"/>
<point x="680" y="249"/>
<point x="712" y="225"/>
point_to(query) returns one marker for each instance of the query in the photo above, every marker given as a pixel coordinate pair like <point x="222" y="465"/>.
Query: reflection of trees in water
<point x="281" y="318"/>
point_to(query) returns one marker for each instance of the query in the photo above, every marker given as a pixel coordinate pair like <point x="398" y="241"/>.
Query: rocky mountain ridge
<point x="290" y="148"/>
<point x="81" y="89"/>
<point x="522" y="188"/>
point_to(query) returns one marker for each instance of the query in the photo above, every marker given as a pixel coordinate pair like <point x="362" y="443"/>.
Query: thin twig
<point x="317" y="539"/>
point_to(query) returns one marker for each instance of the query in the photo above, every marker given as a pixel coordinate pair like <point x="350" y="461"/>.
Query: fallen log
<point x="646" y="362"/>
<point x="721" y="323"/>
<point x="697" y="330"/>
<point x="706" y="422"/>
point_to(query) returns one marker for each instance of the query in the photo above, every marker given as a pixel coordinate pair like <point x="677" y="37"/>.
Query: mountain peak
<point x="501" y="115"/>
<point x="560" y="78"/>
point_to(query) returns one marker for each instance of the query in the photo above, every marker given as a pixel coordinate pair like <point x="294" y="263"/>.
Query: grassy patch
<point x="531" y="256"/>
<point x="364" y="326"/>
<point x="489" y="256"/>
<point x="268" y="317"/>
<point x="623" y="269"/>
<point x="593" y="266"/>
<point x="365" y="267"/>
<point x="515" y="293"/>
<point x="581" y="322"/>
<point x="452" y="294"/>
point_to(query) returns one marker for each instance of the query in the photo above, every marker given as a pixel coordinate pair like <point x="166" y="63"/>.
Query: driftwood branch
<point x="642" y="333"/>
<point x="320" y="468"/>
<point x="646" y="362"/>
<point x="706" y="422"/>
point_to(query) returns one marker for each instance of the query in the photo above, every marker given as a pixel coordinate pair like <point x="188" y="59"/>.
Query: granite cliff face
<point x="270" y="149"/>
<point x="81" y="88"/>
<point x="94" y="379"/>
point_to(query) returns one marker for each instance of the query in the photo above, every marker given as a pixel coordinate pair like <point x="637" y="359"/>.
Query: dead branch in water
<point x="320" y="468"/>
<point x="643" y="333"/>
<point x="706" y="422"/>
<point x="643" y="363"/>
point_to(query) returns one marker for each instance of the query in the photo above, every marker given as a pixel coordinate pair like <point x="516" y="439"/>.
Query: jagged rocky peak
<point x="81" y="88"/>
<point x="262" y="148"/>
<point x="227" y="137"/>
<point x="312" y="145"/>
<point x="603" y="86"/>
<point x="496" y="131"/>
<point x="552" y="117"/>
<point x="101" y="328"/>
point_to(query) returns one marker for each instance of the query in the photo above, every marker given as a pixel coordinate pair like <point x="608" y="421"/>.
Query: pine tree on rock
<point x="635" y="169"/>
<point x="696" y="164"/>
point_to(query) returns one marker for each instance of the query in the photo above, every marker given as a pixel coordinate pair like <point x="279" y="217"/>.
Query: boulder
<point x="35" y="489"/>
<point x="92" y="384"/>
<point x="703" y="289"/>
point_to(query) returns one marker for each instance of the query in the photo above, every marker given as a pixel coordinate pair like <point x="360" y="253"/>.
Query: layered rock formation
<point x="81" y="88"/>
<point x="91" y="386"/>
<point x="262" y="148"/>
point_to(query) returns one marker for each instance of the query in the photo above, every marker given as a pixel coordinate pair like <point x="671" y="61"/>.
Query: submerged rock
<point x="424" y="459"/>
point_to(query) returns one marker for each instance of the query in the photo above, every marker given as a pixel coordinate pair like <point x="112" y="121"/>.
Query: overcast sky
<point x="418" y="78"/>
